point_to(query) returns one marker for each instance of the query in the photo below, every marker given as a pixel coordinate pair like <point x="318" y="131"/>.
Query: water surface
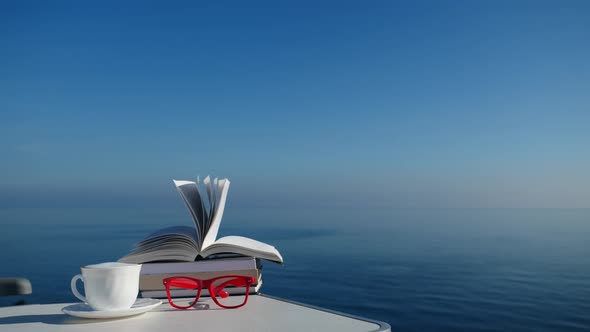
<point x="439" y="270"/>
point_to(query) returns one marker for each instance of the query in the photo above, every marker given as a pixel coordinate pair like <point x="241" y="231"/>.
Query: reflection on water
<point x="416" y="269"/>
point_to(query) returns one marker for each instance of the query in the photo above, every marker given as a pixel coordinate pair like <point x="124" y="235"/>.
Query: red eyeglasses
<point x="220" y="289"/>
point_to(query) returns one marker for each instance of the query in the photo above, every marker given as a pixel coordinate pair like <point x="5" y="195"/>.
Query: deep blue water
<point x="418" y="270"/>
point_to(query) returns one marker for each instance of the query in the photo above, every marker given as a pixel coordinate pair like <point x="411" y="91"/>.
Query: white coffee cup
<point x="108" y="286"/>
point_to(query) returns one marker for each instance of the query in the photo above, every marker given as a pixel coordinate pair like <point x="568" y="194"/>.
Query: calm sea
<point x="418" y="270"/>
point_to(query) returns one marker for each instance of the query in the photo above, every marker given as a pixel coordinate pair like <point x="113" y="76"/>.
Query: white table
<point x="261" y="313"/>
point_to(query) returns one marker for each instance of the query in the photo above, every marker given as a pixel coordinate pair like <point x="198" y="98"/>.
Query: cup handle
<point x="75" y="289"/>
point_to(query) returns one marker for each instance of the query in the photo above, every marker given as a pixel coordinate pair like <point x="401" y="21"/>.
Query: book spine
<point x="200" y="266"/>
<point x="155" y="281"/>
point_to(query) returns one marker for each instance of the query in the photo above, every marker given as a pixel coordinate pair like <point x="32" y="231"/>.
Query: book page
<point x="223" y="187"/>
<point x="207" y="182"/>
<point x="172" y="243"/>
<point x="173" y="230"/>
<point x="215" y="198"/>
<point x="244" y="246"/>
<point x="189" y="192"/>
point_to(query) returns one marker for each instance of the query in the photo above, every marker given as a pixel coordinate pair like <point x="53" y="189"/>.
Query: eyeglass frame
<point x="213" y="292"/>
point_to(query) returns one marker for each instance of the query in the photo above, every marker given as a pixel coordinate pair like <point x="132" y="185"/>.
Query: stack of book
<point x="152" y="275"/>
<point x="196" y="251"/>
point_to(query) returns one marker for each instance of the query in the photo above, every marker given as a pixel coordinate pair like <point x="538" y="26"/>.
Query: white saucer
<point x="85" y="311"/>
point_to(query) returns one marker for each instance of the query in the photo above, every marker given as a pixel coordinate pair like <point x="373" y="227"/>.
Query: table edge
<point x="383" y="326"/>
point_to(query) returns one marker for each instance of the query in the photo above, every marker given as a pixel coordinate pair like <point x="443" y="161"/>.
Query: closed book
<point x="155" y="281"/>
<point x="209" y="265"/>
<point x="178" y="293"/>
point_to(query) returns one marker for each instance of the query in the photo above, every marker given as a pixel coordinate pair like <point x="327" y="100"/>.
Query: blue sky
<point x="384" y="104"/>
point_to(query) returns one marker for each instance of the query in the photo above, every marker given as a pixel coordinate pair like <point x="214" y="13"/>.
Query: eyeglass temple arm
<point x="182" y="283"/>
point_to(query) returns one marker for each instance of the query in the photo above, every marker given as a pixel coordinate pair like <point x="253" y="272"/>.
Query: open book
<point x="182" y="243"/>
